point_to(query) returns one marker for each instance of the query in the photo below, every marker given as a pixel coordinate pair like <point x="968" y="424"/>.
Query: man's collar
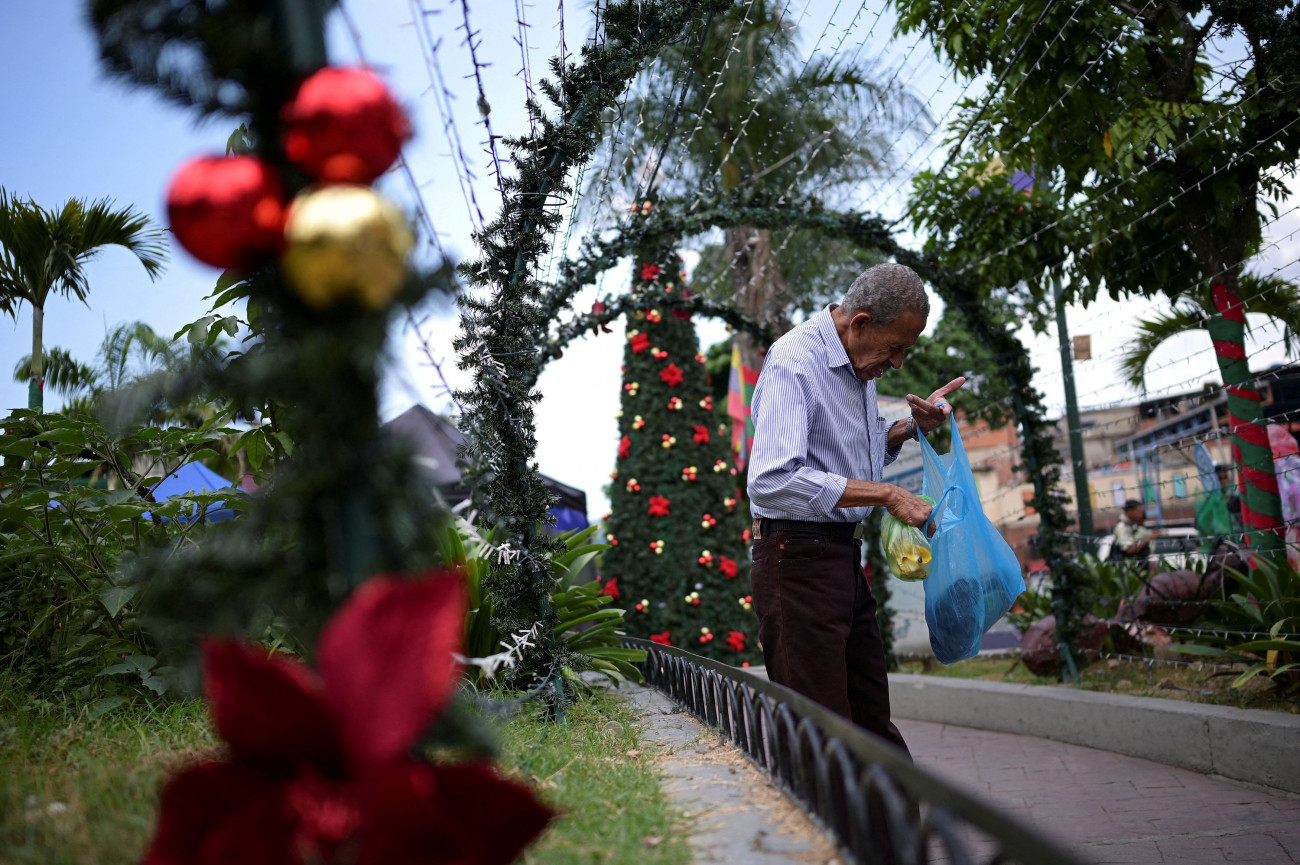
<point x="835" y="353"/>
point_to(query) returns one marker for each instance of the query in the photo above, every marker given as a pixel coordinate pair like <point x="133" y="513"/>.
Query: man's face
<point x="873" y="349"/>
<point x="1137" y="516"/>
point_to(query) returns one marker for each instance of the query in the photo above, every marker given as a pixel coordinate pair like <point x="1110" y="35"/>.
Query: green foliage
<point x="756" y="113"/>
<point x="661" y="587"/>
<point x="585" y="624"/>
<point x="1266" y="599"/>
<point x="70" y="606"/>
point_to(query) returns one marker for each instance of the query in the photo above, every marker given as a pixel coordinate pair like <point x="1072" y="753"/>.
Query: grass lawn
<point x="77" y="790"/>
<point x="1174" y="682"/>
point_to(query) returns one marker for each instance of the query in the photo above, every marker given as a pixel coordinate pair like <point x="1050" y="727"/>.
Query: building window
<point x="1117" y="493"/>
<point x="1180" y="486"/>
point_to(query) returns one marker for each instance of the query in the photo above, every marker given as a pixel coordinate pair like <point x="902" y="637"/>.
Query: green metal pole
<point x="1081" y="495"/>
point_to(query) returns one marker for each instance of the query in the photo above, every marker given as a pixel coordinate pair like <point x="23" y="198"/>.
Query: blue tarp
<point x="195" y="478"/>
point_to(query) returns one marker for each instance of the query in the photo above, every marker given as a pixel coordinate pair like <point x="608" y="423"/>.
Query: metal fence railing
<point x="878" y="807"/>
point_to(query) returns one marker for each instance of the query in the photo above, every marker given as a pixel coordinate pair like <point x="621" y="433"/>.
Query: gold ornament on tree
<point x="346" y="243"/>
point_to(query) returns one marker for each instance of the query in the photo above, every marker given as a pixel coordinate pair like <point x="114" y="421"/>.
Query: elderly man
<point x="819" y="450"/>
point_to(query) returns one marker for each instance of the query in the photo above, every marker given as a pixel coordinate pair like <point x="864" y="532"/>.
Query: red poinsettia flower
<point x="610" y="588"/>
<point x="736" y="640"/>
<point x="671" y="375"/>
<point x="651" y="271"/>
<point x="662" y="639"/>
<point x="599" y="327"/>
<point x="319" y="768"/>
<point x="640" y="343"/>
<point x="625" y="447"/>
<point x="682" y="314"/>
<point x="659" y="506"/>
<point x="727" y="567"/>
<point x="701" y="434"/>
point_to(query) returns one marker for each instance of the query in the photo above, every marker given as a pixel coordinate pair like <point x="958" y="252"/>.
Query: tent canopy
<point x="436" y="442"/>
<point x="195" y="478"/>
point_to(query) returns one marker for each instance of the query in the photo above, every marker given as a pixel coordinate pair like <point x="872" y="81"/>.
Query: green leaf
<point x="1269" y="646"/>
<point x="115" y="597"/>
<point x="142" y="663"/>
<point x="253" y="443"/>
<point x="102" y="707"/>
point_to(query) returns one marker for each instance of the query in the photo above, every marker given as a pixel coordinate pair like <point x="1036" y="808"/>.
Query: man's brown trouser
<point x="817" y="625"/>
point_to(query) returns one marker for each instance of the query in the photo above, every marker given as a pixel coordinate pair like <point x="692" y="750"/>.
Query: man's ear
<point x="860" y="320"/>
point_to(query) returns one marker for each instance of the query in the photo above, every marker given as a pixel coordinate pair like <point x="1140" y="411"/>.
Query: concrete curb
<point x="1243" y="744"/>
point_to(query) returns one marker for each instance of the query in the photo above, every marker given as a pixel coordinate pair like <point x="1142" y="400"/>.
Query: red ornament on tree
<point x="701" y="434"/>
<point x="727" y="567"/>
<point x="651" y="271"/>
<point x="640" y="342"/>
<point x="344" y="126"/>
<point x="736" y="640"/>
<point x="662" y="639"/>
<point x="671" y="375"/>
<point x="659" y="506"/>
<point x="610" y="589"/>
<point x="682" y="314"/>
<point x="625" y="447"/>
<point x="598" y="328"/>
<point x="227" y="211"/>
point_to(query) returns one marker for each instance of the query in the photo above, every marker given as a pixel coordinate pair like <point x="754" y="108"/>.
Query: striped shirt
<point x="816" y="426"/>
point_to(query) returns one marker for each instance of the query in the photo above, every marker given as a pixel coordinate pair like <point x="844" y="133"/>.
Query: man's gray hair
<point x="887" y="291"/>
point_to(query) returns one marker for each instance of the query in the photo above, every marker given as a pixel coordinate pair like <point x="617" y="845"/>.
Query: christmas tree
<point x="679" y="527"/>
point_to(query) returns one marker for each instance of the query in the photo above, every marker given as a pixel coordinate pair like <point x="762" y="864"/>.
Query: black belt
<point x="844" y="531"/>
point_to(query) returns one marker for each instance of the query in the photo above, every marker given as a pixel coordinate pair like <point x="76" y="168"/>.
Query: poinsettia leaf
<point x="223" y="812"/>
<point x="415" y="807"/>
<point x="387" y="660"/>
<point x="269" y="709"/>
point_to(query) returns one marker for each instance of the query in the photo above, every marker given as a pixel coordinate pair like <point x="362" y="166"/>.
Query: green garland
<point x="504" y="325"/>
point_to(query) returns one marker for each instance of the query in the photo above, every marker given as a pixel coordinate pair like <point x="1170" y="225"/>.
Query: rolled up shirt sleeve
<point x="780" y="479"/>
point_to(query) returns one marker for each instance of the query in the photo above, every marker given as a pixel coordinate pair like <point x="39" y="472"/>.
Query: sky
<point x="68" y="131"/>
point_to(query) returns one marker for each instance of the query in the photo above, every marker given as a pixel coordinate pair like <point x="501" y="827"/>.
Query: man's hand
<point x="911" y="509"/>
<point x="929" y="413"/>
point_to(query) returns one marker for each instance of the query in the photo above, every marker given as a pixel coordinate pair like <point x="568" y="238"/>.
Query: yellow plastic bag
<point x="907" y="550"/>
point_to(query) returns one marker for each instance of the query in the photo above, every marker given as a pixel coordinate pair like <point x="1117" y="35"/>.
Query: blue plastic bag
<point x="974" y="576"/>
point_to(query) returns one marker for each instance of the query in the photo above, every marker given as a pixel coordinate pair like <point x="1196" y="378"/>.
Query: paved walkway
<point x="1109" y="807"/>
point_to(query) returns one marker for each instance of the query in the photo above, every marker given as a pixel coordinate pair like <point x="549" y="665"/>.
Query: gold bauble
<point x="345" y="243"/>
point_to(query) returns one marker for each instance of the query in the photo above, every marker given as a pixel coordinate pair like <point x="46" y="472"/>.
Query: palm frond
<point x="1277" y="299"/>
<point x="103" y="225"/>
<point x="1151" y="333"/>
<point x="64" y="374"/>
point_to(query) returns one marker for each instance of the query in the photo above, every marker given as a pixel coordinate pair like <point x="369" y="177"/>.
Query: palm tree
<point x="1274" y="298"/>
<point x="42" y="251"/>
<point x="760" y="120"/>
<point x="132" y="355"/>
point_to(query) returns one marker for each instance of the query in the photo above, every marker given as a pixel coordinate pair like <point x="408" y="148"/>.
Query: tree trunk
<point x="36" y="384"/>
<point x="759" y="286"/>
<point x="1261" y="506"/>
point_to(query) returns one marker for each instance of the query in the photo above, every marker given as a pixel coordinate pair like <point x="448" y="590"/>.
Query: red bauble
<point x="344" y="126"/>
<point x="227" y="211"/>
